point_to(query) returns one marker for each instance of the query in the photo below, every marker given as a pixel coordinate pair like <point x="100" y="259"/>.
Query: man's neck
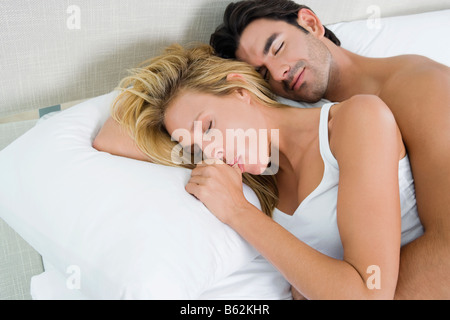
<point x="353" y="74"/>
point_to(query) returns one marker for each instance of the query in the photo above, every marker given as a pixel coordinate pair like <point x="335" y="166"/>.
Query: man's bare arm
<point x="419" y="97"/>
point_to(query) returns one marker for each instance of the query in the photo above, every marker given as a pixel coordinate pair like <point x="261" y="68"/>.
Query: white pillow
<point x="120" y="227"/>
<point x="424" y="34"/>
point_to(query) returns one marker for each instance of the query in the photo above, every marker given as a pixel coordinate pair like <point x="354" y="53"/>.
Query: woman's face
<point x="230" y="128"/>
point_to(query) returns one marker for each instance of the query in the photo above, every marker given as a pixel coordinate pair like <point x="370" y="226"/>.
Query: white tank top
<point x="314" y="221"/>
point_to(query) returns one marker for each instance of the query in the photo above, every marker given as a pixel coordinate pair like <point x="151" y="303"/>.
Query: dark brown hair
<point x="238" y="15"/>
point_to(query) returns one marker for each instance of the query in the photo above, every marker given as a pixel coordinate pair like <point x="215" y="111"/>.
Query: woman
<point x="342" y="169"/>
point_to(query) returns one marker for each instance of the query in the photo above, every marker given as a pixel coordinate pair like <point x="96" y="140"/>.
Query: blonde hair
<point x="148" y="91"/>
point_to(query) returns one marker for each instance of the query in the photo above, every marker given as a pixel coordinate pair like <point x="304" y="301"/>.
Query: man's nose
<point x="279" y="71"/>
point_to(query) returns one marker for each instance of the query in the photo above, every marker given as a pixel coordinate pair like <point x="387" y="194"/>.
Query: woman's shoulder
<point x="362" y="107"/>
<point x="359" y="121"/>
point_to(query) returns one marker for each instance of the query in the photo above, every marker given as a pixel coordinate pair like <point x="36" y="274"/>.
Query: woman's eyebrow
<point x="269" y="43"/>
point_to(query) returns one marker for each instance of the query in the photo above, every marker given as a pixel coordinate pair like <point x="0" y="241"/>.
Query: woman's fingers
<point x="218" y="186"/>
<point x="206" y="168"/>
<point x="198" y="179"/>
<point x="195" y="184"/>
<point x="192" y="188"/>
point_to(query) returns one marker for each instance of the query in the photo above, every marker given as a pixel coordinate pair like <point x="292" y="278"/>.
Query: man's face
<point x="296" y="65"/>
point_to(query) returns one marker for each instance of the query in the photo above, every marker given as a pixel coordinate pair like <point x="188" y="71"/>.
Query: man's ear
<point x="308" y="20"/>
<point x="241" y="92"/>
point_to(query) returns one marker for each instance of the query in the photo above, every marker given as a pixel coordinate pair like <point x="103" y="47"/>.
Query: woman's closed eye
<point x="209" y="127"/>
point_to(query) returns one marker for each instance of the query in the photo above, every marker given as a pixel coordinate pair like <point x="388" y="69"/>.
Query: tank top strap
<point x="325" y="150"/>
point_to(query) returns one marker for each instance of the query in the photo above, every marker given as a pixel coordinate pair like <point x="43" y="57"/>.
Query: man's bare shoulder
<point x="406" y="65"/>
<point x="414" y="75"/>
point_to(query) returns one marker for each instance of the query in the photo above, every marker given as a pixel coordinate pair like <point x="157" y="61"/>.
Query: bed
<point x="81" y="224"/>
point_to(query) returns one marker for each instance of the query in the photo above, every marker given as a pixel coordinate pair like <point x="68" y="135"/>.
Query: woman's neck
<point x="297" y="129"/>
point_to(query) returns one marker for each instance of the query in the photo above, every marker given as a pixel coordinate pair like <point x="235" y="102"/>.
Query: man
<point x="303" y="61"/>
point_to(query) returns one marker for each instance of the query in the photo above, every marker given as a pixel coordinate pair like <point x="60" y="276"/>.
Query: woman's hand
<point x="219" y="187"/>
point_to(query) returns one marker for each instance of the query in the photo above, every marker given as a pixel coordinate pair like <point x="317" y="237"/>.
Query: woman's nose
<point x="213" y="152"/>
<point x="218" y="154"/>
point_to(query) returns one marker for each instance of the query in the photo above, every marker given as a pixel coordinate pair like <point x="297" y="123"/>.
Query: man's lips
<point x="295" y="85"/>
